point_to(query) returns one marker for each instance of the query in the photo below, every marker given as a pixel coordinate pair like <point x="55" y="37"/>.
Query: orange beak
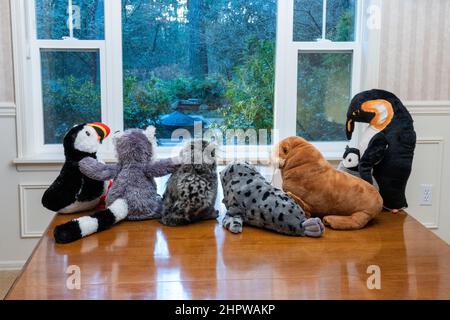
<point x="349" y="128"/>
<point x="102" y="130"/>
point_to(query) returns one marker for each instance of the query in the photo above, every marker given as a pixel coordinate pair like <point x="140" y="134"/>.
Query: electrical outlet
<point x="426" y="194"/>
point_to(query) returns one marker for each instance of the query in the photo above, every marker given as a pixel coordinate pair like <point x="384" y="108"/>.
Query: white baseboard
<point x="11" y="265"/>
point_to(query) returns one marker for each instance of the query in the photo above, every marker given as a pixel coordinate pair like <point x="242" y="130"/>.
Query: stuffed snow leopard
<point x="192" y="189"/>
<point x="250" y="199"/>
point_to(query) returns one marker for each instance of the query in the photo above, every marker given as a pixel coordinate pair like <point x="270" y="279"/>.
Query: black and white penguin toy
<point x="72" y="191"/>
<point x="350" y="163"/>
<point x="386" y="146"/>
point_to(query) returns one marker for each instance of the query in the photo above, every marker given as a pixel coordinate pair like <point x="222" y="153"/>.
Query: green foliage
<point x="323" y="94"/>
<point x="68" y="101"/>
<point x="345" y="27"/>
<point x="250" y="92"/>
<point x="209" y="90"/>
<point x="144" y="102"/>
<point x="323" y="87"/>
<point x="238" y="83"/>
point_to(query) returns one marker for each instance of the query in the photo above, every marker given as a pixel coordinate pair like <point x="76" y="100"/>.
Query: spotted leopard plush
<point x="192" y="189"/>
<point x="251" y="200"/>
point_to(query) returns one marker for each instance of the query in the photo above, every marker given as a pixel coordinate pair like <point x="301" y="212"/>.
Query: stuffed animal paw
<point x="313" y="227"/>
<point x="232" y="223"/>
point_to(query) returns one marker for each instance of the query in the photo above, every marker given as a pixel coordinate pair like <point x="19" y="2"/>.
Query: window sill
<point x="53" y="162"/>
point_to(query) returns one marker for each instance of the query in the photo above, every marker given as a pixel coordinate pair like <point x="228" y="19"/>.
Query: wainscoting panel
<point x="34" y="218"/>
<point x="7" y="109"/>
<point x="427" y="169"/>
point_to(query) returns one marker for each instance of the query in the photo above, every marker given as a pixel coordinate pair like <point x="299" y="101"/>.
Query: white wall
<point x="419" y="75"/>
<point x="20" y="223"/>
<point x="415" y="64"/>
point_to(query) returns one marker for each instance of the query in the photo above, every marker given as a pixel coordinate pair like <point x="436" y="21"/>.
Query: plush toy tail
<point x="84" y="226"/>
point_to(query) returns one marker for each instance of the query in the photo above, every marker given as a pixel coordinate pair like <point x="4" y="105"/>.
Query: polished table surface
<point x="146" y="260"/>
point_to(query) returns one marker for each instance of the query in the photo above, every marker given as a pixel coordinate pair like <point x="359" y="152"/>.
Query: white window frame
<point x="28" y="51"/>
<point x="287" y="70"/>
<point x="27" y="67"/>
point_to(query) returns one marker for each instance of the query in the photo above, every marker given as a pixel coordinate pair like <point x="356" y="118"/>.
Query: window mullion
<point x="114" y="72"/>
<point x="285" y="74"/>
<point x="324" y="20"/>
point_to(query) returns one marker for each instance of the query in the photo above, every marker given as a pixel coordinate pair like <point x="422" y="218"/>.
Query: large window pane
<point x="308" y="20"/>
<point x="70" y="91"/>
<point x="324" y="88"/>
<point x="210" y="61"/>
<point x="52" y="19"/>
<point x="341" y="20"/>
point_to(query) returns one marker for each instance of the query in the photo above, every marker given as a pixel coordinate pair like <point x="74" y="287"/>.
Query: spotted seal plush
<point x="251" y="200"/>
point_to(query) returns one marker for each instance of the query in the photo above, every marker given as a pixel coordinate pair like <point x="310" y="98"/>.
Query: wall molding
<point x="11" y="265"/>
<point x="7" y="109"/>
<point x="23" y="187"/>
<point x="423" y="107"/>
<point x="439" y="141"/>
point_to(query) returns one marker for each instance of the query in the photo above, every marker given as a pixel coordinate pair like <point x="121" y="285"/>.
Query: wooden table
<point x="146" y="260"/>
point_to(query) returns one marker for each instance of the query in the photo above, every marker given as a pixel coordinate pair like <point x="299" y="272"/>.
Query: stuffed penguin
<point x="72" y="191"/>
<point x="386" y="146"/>
<point x="350" y="163"/>
<point x="133" y="195"/>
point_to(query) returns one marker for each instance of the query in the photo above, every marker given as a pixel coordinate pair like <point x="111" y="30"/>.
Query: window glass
<point x="341" y="20"/>
<point x="308" y="20"/>
<point x="52" y="19"/>
<point x="324" y="88"/>
<point x="198" y="60"/>
<point x="70" y="90"/>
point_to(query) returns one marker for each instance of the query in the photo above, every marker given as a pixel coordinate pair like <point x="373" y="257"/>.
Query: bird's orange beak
<point x="102" y="129"/>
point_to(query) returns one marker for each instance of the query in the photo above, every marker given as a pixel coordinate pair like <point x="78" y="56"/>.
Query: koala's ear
<point x="150" y="133"/>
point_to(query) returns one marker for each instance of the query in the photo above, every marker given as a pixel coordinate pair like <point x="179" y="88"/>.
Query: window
<point x="70" y="90"/>
<point x="324" y="81"/>
<point x="227" y="64"/>
<point x="197" y="60"/>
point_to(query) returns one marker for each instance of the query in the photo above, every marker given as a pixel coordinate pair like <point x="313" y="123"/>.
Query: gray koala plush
<point x="250" y="199"/>
<point x="192" y="189"/>
<point x="133" y="194"/>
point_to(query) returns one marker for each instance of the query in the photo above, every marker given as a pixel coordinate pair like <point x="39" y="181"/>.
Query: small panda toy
<point x="72" y="191"/>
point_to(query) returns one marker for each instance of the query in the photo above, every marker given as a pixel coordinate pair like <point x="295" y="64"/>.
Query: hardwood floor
<point x="6" y="280"/>
<point x="146" y="260"/>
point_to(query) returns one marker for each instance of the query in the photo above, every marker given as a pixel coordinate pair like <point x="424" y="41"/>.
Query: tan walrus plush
<point x="345" y="202"/>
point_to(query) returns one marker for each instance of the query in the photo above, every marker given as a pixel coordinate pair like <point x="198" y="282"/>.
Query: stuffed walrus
<point x="344" y="201"/>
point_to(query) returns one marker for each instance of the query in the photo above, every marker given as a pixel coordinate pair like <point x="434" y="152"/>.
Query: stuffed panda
<point x="387" y="144"/>
<point x="72" y="191"/>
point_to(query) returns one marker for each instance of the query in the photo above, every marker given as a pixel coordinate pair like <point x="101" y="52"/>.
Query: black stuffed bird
<point x="388" y="143"/>
<point x="72" y="191"/>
